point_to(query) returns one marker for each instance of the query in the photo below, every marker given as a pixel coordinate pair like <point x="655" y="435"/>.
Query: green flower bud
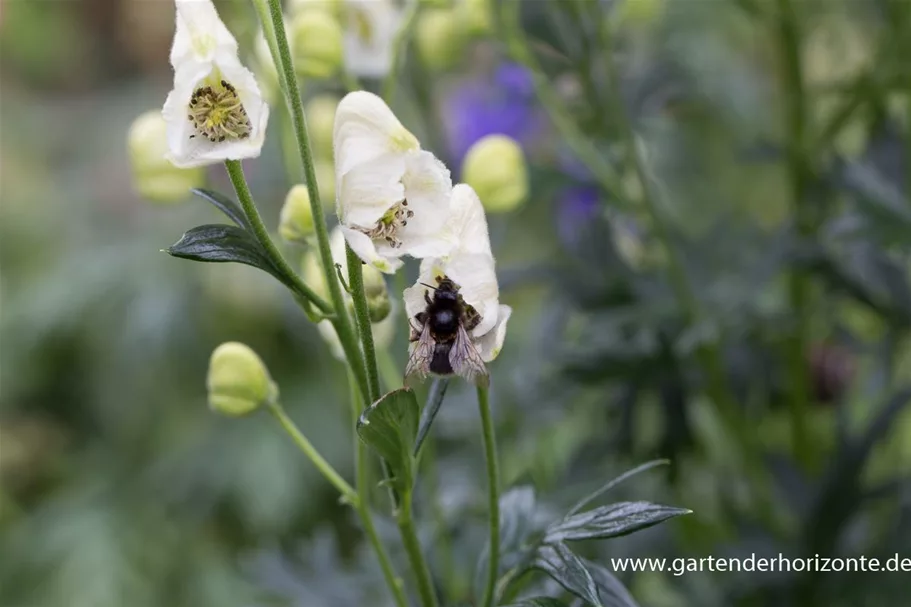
<point x="378" y="308"/>
<point x="316" y="40"/>
<point x="440" y="37"/>
<point x="325" y="179"/>
<point x="477" y="16"/>
<point x="378" y="304"/>
<point x="154" y="177"/>
<point x="238" y="381"/>
<point x="321" y="122"/>
<point x="296" y="220"/>
<point x="495" y="167"/>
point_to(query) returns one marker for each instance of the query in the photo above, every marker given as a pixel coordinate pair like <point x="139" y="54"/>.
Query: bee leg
<point x="427" y="297"/>
<point x="471" y="321"/>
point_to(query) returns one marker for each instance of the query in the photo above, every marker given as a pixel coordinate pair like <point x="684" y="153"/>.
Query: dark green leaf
<point x="613" y="592"/>
<point x="539" y="601"/>
<point x="612" y="520"/>
<point x="389" y="426"/>
<point x="569" y="571"/>
<point x="225" y="205"/>
<point x="613" y="483"/>
<point x="221" y="244"/>
<point x="431" y="408"/>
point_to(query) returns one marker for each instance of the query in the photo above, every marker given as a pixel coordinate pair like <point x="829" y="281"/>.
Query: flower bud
<point x="495" y="167"/>
<point x="316" y="40"/>
<point x="238" y="381"/>
<point x="477" y="16"/>
<point x="296" y="220"/>
<point x="154" y="177"/>
<point x="440" y="37"/>
<point x="378" y="304"/>
<point x="321" y="122"/>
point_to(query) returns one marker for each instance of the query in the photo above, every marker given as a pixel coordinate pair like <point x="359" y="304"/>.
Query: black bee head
<point x="446" y="291"/>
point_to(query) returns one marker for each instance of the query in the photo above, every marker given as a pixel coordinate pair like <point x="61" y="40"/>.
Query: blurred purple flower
<point x="577" y="206"/>
<point x="501" y="104"/>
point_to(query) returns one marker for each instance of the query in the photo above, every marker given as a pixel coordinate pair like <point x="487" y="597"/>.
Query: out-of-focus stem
<point x="413" y="549"/>
<point x="493" y="497"/>
<point x="800" y="175"/>
<point x="399" y="44"/>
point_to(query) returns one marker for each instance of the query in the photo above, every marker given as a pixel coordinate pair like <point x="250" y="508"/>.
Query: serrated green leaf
<point x="568" y="570"/>
<point x="218" y="243"/>
<point x="539" y="601"/>
<point x="224" y="204"/>
<point x="431" y="408"/>
<point x="389" y="427"/>
<point x="612" y="520"/>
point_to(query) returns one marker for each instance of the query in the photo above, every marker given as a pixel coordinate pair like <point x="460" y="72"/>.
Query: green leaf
<point x="389" y="426"/>
<point x="613" y="483"/>
<point x="539" y="601"/>
<point x="613" y="592"/>
<point x="611" y="521"/>
<point x="569" y="571"/>
<point x="431" y="408"/>
<point x="226" y="205"/>
<point x="219" y="243"/>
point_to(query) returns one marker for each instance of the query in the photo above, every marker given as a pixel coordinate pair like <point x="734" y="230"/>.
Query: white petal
<point x="366" y="128"/>
<point x="365" y="193"/>
<point x="478" y="286"/>
<point x="200" y="33"/>
<point x="467" y="221"/>
<point x="365" y="248"/>
<point x="428" y="190"/>
<point x="491" y="343"/>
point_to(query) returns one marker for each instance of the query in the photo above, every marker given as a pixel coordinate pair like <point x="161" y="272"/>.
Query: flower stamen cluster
<point x="217" y="113"/>
<point x="389" y="224"/>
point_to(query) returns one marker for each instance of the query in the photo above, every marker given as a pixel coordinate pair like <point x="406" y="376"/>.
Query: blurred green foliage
<point x="118" y="486"/>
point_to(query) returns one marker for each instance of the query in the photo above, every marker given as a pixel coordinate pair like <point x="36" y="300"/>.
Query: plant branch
<point x="493" y="497"/>
<point x="413" y="549"/>
<point x="236" y="173"/>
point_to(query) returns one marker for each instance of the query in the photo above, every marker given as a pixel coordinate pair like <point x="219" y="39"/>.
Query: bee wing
<point x="421" y="354"/>
<point x="466" y="361"/>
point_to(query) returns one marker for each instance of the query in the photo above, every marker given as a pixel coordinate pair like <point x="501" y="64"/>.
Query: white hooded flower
<point x="370" y="31"/>
<point x="215" y="111"/>
<point x="470" y="265"/>
<point x="392" y="197"/>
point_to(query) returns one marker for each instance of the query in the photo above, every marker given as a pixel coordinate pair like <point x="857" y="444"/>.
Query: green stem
<point x="452" y="580"/>
<point x="236" y="173"/>
<point x="362" y="475"/>
<point x="799" y="282"/>
<point x="284" y="65"/>
<point x="398" y="50"/>
<point x="362" y="316"/>
<point x="493" y="496"/>
<point x="578" y="142"/>
<point x="413" y="549"/>
<point x="313" y="455"/>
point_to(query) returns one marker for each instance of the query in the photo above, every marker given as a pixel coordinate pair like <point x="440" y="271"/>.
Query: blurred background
<point x="746" y="314"/>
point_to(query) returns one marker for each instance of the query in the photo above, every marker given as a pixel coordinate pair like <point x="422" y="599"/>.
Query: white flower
<point x="215" y="111"/>
<point x="392" y="197"/>
<point x="370" y="31"/>
<point x="470" y="265"/>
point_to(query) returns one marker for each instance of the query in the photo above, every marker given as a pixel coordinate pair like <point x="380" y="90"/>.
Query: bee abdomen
<point x="440" y="362"/>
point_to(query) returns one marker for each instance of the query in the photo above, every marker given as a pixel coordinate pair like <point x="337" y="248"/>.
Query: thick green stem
<point x="273" y="25"/>
<point x="236" y="173"/>
<point x="493" y="497"/>
<point x="398" y="50"/>
<point x="800" y="175"/>
<point x="415" y="556"/>
<point x="313" y="455"/>
<point x="362" y="474"/>
<point x="362" y="316"/>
